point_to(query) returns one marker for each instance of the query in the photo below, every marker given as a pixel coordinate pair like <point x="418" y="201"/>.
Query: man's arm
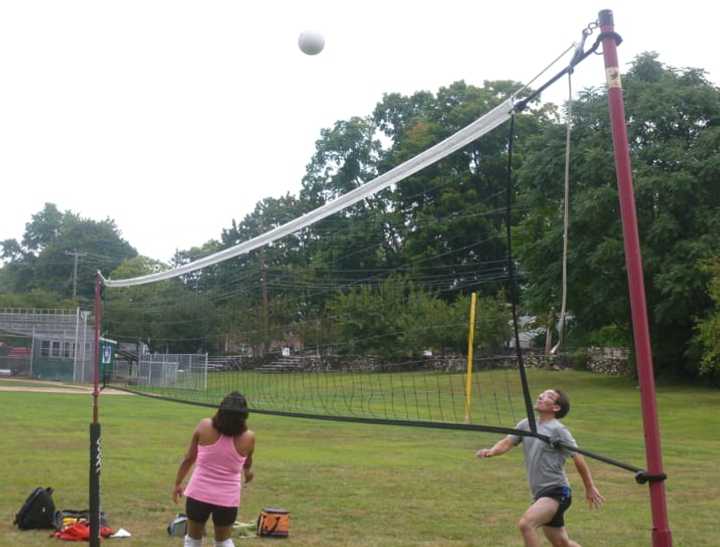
<point x="500" y="447"/>
<point x="592" y="495"/>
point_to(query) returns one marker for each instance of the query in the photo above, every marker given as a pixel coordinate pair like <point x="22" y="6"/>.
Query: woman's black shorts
<point x="199" y="511"/>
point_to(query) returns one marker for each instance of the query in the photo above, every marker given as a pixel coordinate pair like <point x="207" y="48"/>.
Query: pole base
<point x="95" y="469"/>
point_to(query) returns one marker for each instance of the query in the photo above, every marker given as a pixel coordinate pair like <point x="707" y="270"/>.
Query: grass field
<point x="351" y="484"/>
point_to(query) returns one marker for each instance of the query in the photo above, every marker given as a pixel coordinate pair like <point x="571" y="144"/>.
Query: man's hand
<point x="594" y="498"/>
<point x="177" y="493"/>
<point x="484" y="453"/>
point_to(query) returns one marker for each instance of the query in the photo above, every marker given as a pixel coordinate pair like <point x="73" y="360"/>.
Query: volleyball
<point x="311" y="43"/>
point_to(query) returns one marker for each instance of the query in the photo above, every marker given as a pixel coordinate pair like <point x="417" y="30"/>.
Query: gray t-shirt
<point x="545" y="464"/>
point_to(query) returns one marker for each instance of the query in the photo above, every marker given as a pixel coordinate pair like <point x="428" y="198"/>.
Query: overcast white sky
<point x="174" y="117"/>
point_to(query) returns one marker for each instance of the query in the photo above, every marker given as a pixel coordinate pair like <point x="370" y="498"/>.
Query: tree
<point x="37" y="298"/>
<point x="44" y="228"/>
<point x="451" y="215"/>
<point x="708" y="328"/>
<point x="366" y="318"/>
<point x="675" y="145"/>
<point x="359" y="237"/>
<point x="399" y="318"/>
<point x="45" y="261"/>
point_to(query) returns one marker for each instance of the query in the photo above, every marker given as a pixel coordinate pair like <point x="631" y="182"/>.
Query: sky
<point x="174" y="117"/>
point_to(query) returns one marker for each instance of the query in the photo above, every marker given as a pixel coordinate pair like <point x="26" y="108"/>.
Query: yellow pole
<point x="471" y="337"/>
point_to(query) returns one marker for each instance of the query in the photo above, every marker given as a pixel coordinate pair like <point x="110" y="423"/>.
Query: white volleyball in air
<point x="311" y="42"/>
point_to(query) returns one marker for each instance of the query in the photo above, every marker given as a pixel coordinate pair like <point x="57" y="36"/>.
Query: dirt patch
<point x="70" y="390"/>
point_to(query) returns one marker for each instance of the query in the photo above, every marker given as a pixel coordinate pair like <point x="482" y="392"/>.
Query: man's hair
<point x="563" y="401"/>
<point x="230" y="417"/>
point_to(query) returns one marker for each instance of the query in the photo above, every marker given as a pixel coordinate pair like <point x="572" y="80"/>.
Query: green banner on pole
<point x="107" y="358"/>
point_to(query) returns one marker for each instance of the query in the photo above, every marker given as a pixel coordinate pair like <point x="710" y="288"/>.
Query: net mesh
<point x="356" y="309"/>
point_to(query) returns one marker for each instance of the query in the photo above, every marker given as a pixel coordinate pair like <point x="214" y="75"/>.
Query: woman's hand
<point x="249" y="475"/>
<point x="177" y="492"/>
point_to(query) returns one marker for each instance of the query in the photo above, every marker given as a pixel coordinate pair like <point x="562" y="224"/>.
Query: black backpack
<point x="38" y="511"/>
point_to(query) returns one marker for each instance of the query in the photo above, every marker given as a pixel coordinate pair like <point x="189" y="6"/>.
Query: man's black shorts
<point x="199" y="511"/>
<point x="563" y="496"/>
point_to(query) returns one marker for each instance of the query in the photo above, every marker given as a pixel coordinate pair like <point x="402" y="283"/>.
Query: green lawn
<point x="352" y="484"/>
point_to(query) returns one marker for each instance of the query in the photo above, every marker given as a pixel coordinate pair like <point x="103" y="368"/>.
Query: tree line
<point x="391" y="274"/>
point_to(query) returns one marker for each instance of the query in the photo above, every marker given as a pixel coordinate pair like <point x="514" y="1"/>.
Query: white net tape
<point x="465" y="136"/>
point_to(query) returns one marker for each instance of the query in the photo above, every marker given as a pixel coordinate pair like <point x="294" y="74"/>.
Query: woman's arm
<point x="185" y="466"/>
<point x="250" y="449"/>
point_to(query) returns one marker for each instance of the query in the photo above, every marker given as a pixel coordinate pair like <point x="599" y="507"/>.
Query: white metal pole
<point x="206" y="371"/>
<point x="76" y="378"/>
<point x="32" y="351"/>
<point x="84" y="346"/>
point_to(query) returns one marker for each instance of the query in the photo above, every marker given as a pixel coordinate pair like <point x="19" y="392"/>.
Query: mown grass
<point x="353" y="484"/>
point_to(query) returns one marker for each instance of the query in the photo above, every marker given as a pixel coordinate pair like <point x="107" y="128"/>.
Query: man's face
<point x="547" y="401"/>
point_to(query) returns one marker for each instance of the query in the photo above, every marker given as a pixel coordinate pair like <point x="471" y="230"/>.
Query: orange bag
<point x="273" y="522"/>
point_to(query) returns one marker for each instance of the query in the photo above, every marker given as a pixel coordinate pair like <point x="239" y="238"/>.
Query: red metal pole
<point x="661" y="535"/>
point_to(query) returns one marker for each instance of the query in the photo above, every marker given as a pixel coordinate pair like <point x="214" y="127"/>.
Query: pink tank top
<point x="217" y="477"/>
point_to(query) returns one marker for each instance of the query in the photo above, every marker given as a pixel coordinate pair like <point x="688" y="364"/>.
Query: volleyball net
<point x="339" y="312"/>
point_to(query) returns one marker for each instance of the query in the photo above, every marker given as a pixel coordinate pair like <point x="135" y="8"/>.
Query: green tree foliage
<point x="43" y="261"/>
<point x="44" y="228"/>
<point x="708" y="328"/>
<point x="493" y="323"/>
<point x="398" y="318"/>
<point x="37" y="299"/>
<point x="675" y="146"/>
<point x="395" y="318"/>
<point x="362" y="236"/>
<point x="451" y="216"/>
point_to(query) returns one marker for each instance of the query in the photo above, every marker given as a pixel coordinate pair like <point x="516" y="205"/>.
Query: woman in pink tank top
<point x="221" y="449"/>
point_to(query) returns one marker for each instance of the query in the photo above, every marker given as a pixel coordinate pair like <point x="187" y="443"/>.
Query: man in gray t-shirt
<point x="545" y="469"/>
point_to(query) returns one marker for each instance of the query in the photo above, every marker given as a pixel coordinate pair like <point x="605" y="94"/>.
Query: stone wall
<point x="609" y="361"/>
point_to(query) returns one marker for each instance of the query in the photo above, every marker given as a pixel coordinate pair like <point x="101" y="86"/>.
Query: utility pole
<point x="76" y="255"/>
